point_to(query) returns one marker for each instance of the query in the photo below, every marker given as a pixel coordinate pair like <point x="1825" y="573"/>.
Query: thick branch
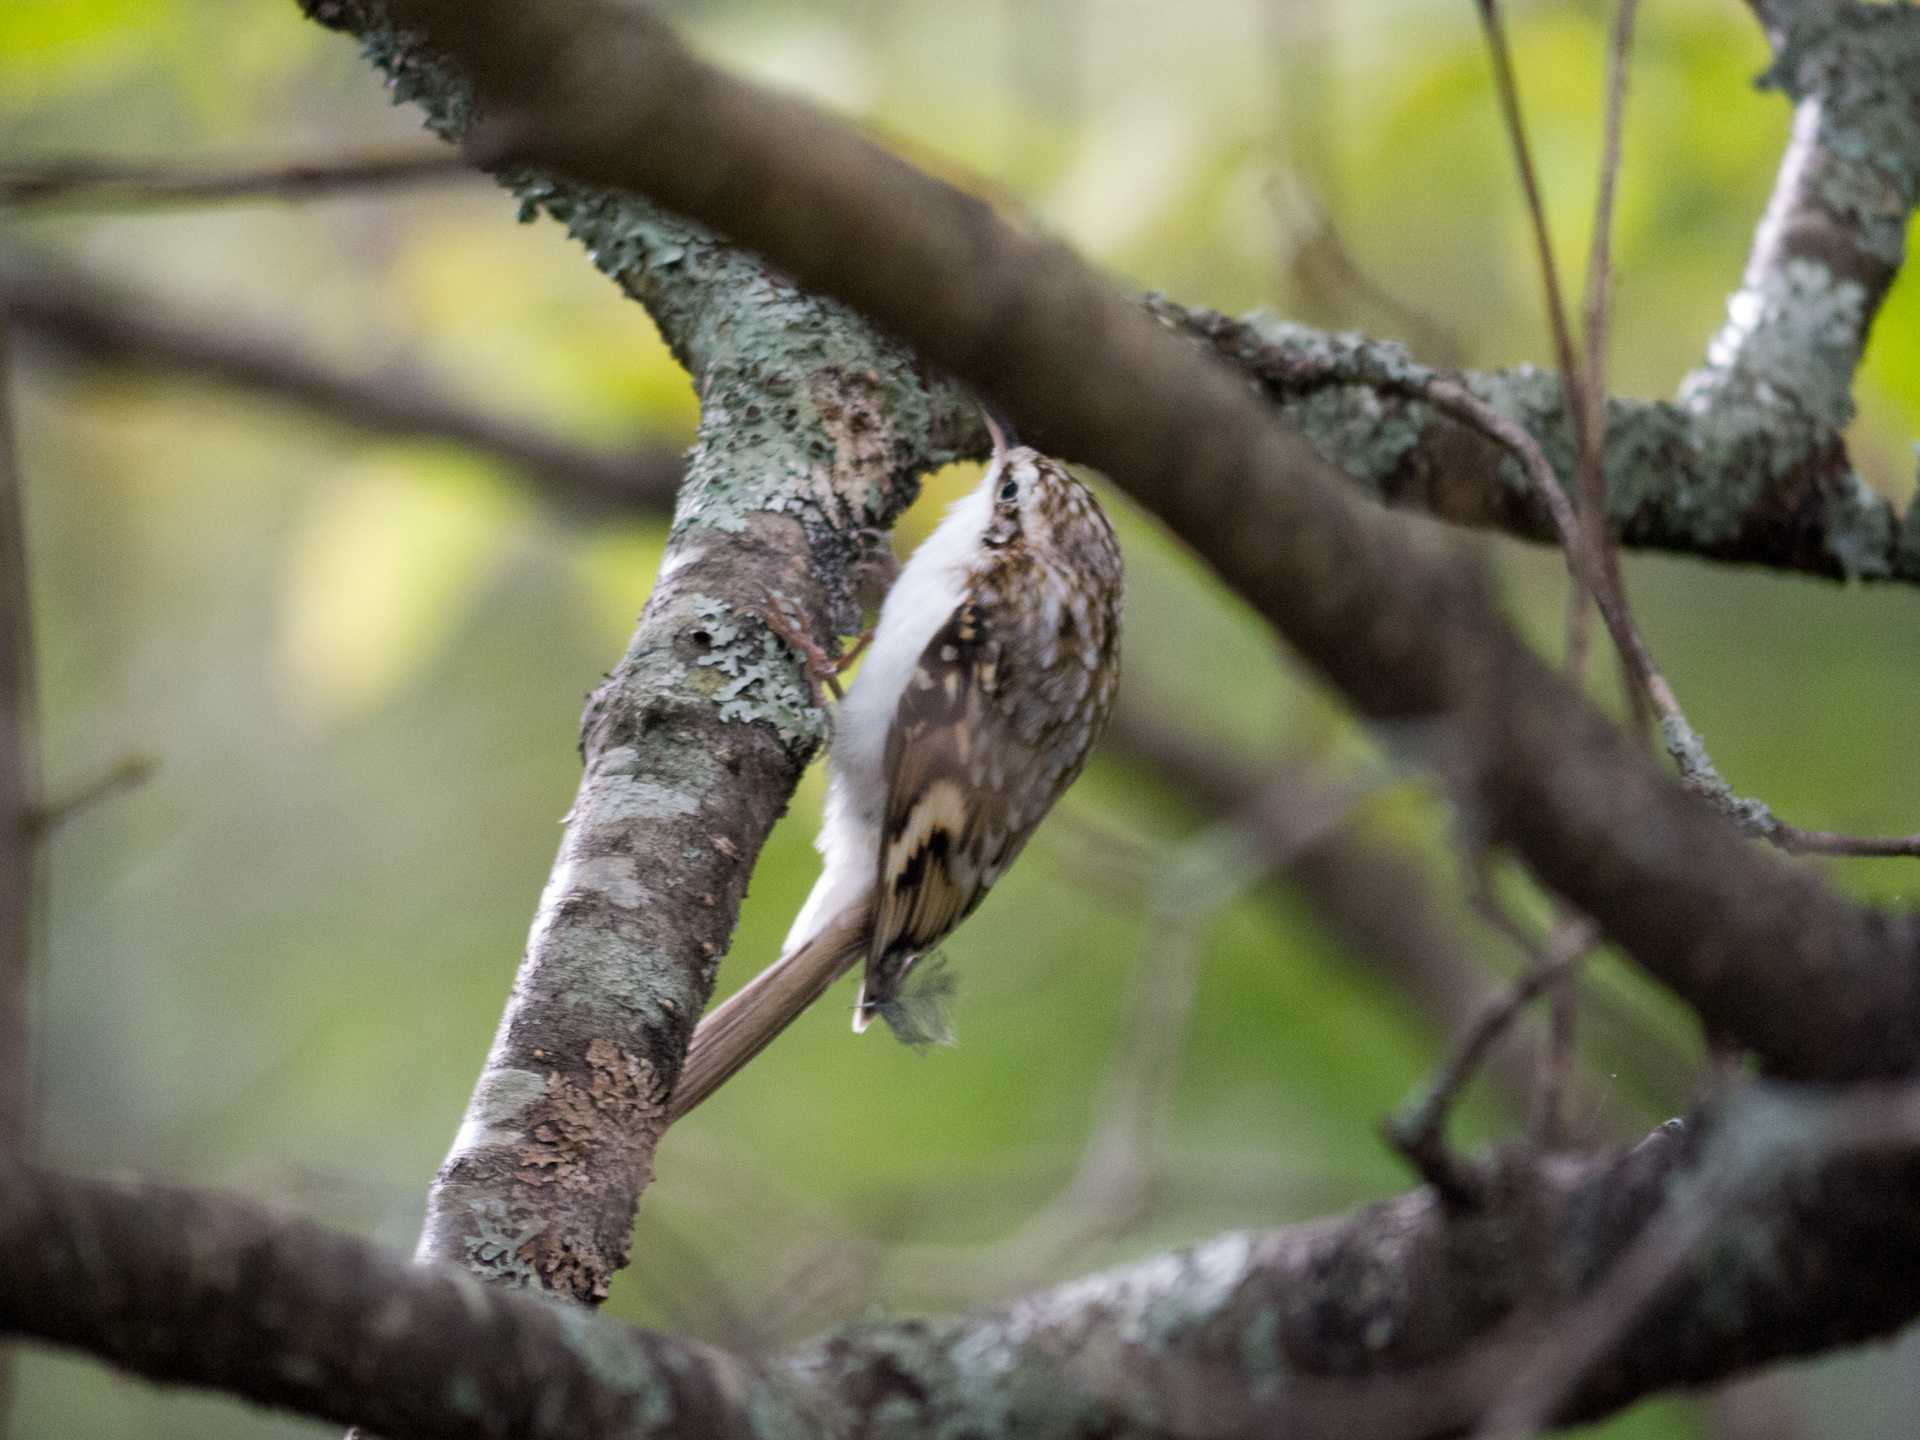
<point x="85" y="316"/>
<point x="197" y="1289"/>
<point x="1834" y="233"/>
<point x="1398" y="1322"/>
<point x="1676" y="479"/>
<point x="1672" y="484"/>
<point x="1769" y="955"/>
<point x="813" y="433"/>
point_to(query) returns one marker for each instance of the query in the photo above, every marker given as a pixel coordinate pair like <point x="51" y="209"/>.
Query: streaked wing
<point x="954" y="815"/>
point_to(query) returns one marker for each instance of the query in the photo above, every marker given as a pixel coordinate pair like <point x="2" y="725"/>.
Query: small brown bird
<point x="991" y="674"/>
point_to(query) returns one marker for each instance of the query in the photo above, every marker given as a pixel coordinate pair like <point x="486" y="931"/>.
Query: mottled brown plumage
<point x="999" y="714"/>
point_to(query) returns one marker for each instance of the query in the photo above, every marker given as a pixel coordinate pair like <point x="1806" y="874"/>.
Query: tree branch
<point x="1816" y="983"/>
<point x="19" y="803"/>
<point x="59" y="183"/>
<point x="87" y="317"/>
<point x="1672" y="483"/>
<point x="813" y="434"/>
<point x="1834" y="234"/>
<point x="1399" y="1322"/>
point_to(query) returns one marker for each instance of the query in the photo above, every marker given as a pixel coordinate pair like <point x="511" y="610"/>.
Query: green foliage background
<point x="277" y="966"/>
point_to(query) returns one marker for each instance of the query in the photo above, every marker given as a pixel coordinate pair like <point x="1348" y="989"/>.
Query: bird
<point x="988" y="677"/>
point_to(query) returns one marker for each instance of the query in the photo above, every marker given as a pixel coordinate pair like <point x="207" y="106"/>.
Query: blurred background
<point x="358" y="661"/>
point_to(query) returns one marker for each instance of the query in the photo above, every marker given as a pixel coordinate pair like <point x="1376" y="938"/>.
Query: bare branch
<point x="89" y="182"/>
<point x="1507" y="88"/>
<point x="90" y="318"/>
<point x="128" y="773"/>
<point x="1597" y="308"/>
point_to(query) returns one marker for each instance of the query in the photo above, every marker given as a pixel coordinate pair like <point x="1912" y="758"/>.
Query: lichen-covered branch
<point x="1834" y="233"/>
<point x="1778" y="379"/>
<point x="1402" y="1321"/>
<point x="1673" y="480"/>
<point x="1814" y="982"/>
<point x="813" y="434"/>
<point x="1672" y="484"/>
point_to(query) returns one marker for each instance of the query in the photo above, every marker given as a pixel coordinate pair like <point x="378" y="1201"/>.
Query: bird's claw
<point x="823" y="670"/>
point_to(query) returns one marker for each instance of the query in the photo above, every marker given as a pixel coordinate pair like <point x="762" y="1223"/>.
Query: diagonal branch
<point x="1815" y="983"/>
<point x="813" y="434"/>
<point x="62" y="183"/>
<point x="75" y="313"/>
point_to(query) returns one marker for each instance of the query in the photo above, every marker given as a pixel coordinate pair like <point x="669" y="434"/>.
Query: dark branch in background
<point x="75" y="313"/>
<point x="197" y="1289"/>
<point x="76" y="182"/>
<point x="19" y="784"/>
<point x="19" y="803"/>
<point x="1374" y="898"/>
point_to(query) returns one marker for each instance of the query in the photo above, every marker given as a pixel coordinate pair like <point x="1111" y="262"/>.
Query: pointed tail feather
<point x="744" y="1024"/>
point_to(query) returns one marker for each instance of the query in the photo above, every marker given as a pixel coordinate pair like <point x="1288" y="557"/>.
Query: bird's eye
<point x="1010" y="490"/>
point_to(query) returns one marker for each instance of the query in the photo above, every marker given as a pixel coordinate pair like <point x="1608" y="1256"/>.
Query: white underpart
<point x="924" y="596"/>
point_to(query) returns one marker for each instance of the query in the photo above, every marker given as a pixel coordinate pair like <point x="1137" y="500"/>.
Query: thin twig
<point x="1549" y="1123"/>
<point x="87" y="181"/>
<point x="1508" y="90"/>
<point x="1418" y="1131"/>
<point x="1598" y="310"/>
<point x="128" y="773"/>
<point x="1549" y="1120"/>
<point x="1796" y="841"/>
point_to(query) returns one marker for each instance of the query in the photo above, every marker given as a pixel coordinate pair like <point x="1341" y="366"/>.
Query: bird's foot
<point x="823" y="670"/>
